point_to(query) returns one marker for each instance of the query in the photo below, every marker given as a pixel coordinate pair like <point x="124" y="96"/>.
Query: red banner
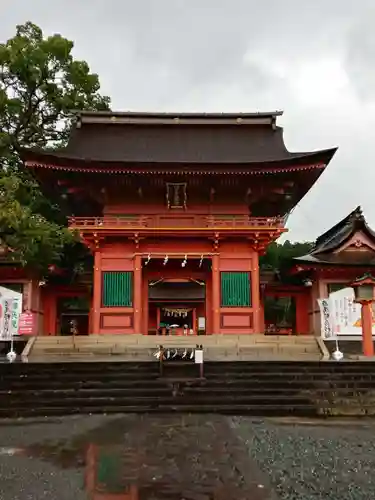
<point x="26" y="324"/>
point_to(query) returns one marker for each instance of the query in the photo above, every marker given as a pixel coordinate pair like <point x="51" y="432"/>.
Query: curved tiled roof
<point x="187" y="138"/>
<point x="335" y="237"/>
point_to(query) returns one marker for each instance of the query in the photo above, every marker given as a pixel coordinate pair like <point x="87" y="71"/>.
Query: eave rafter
<point x="154" y="170"/>
<point x="329" y="269"/>
<point x="258" y="239"/>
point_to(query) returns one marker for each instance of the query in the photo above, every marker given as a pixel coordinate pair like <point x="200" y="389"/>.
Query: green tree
<point x="40" y="85"/>
<point x="279" y="255"/>
<point x="29" y="238"/>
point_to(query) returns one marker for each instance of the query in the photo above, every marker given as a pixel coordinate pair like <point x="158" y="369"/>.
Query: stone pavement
<point x="186" y="457"/>
<point x="191" y="457"/>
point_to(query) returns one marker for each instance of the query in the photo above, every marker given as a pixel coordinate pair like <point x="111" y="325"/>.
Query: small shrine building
<point x="176" y="210"/>
<point x="339" y="256"/>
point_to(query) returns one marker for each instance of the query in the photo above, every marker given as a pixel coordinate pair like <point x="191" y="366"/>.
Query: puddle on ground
<point x="152" y="458"/>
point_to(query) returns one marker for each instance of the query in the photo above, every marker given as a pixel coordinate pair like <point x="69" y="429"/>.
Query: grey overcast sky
<point x="313" y="59"/>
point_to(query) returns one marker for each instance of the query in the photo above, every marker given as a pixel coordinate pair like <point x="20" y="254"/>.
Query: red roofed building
<point x="339" y="256"/>
<point x="176" y="209"/>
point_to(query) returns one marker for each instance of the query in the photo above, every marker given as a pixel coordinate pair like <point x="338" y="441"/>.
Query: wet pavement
<point x="127" y="458"/>
<point x="191" y="457"/>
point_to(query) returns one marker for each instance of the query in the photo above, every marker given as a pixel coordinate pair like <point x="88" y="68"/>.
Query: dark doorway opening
<point x="73" y="315"/>
<point x="280" y="315"/>
<point x="175" y="306"/>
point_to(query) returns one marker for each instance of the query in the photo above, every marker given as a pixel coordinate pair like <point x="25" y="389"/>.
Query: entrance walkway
<point x="192" y="457"/>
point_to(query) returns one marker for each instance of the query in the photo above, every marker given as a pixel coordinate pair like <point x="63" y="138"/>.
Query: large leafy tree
<point x="280" y="255"/>
<point x="278" y="259"/>
<point x="40" y="85"/>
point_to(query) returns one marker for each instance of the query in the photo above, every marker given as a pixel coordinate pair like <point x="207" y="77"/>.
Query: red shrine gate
<point x="176" y="210"/>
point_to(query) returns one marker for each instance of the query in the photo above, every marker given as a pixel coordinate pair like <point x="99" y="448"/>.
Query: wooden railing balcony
<point x="178" y="221"/>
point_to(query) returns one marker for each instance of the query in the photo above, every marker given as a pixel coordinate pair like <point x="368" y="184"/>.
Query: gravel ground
<point x="313" y="460"/>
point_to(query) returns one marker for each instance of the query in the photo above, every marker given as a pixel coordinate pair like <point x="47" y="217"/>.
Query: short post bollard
<point x="198" y="359"/>
<point x="12" y="355"/>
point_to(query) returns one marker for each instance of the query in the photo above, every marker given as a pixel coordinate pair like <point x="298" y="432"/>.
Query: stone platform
<point x="143" y="347"/>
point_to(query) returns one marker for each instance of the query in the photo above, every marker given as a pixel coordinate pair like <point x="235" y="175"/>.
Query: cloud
<point x="315" y="60"/>
<point x="360" y="56"/>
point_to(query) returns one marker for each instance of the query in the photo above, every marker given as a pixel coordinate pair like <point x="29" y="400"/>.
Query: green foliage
<point x="279" y="256"/>
<point x="30" y="237"/>
<point x="40" y="85"/>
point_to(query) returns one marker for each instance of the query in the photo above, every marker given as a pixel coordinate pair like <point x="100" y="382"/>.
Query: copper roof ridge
<point x="169" y="118"/>
<point x="186" y="114"/>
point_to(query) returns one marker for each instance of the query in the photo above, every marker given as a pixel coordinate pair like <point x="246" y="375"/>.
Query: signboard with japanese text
<point x="10" y="310"/>
<point x="5" y="318"/>
<point x="341" y="315"/>
<point x="26" y="324"/>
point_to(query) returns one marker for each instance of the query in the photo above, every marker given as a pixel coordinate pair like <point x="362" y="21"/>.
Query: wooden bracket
<point x="216" y="240"/>
<point x="137" y="239"/>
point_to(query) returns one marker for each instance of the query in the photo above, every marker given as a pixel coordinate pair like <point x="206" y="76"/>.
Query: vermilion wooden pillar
<point x="97" y="293"/>
<point x="137" y="294"/>
<point x="302" y="315"/>
<point x="215" y="294"/>
<point x="157" y="318"/>
<point x="366" y="316"/>
<point x="262" y="324"/>
<point x="49" y="308"/>
<point x="364" y="289"/>
<point x="255" y="294"/>
<point x="145" y="313"/>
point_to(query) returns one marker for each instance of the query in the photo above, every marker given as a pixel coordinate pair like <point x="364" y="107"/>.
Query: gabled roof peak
<point x="327" y="247"/>
<point x="346" y="223"/>
<point x="340" y="232"/>
<point x="357" y="213"/>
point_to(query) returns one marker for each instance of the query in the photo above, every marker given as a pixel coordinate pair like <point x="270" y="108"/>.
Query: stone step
<point x="144" y="339"/>
<point x="260" y="388"/>
<point x="259" y="411"/>
<point x="216" y="347"/>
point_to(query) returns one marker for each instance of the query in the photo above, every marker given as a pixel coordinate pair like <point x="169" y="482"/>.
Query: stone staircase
<point x="273" y="388"/>
<point x="142" y="347"/>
